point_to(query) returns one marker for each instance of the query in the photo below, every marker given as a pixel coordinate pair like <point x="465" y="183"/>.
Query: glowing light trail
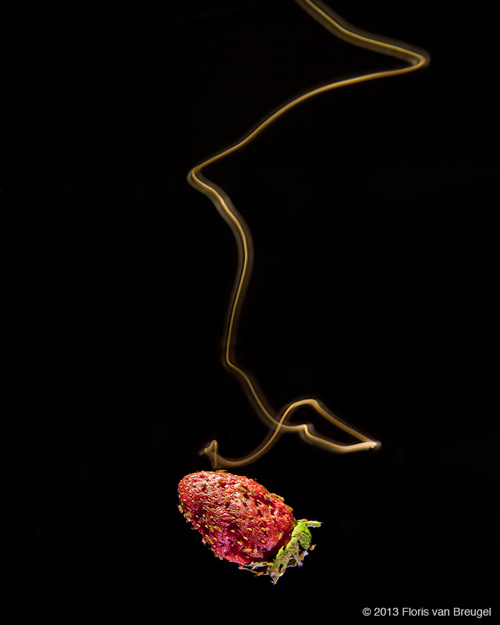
<point x="415" y="59"/>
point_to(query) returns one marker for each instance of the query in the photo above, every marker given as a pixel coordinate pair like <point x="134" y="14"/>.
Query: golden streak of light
<point x="414" y="59"/>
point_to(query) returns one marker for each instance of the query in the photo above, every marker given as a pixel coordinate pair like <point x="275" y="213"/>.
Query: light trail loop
<point x="415" y="59"/>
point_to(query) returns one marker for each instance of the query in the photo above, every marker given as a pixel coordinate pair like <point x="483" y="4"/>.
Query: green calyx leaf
<point x="291" y="554"/>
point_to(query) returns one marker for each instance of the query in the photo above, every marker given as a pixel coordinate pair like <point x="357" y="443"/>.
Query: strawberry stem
<point x="291" y="554"/>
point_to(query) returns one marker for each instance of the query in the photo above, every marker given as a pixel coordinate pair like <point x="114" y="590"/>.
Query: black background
<point x="375" y="288"/>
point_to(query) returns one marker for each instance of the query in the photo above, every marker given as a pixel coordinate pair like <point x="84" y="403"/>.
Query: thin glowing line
<point x="416" y="60"/>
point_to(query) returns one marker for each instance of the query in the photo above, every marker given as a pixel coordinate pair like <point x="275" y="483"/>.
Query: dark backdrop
<point x="375" y="288"/>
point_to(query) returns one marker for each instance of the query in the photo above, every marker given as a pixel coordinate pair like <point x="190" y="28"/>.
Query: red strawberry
<point x="243" y="522"/>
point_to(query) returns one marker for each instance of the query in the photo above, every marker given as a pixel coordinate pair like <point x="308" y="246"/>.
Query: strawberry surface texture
<point x="243" y="522"/>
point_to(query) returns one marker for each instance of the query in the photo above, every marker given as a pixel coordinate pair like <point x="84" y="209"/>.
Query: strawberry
<point x="244" y="523"/>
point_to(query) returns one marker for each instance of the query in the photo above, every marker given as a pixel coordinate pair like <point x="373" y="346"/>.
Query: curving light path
<point x="414" y="59"/>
